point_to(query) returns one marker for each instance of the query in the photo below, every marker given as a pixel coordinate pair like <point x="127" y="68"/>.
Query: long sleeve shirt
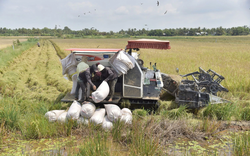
<point x="108" y="74"/>
<point x="86" y="77"/>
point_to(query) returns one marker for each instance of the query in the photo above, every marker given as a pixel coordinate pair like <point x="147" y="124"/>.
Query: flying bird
<point x="158" y="3"/>
<point x="141" y="3"/>
<point x="84" y="13"/>
<point x="97" y="46"/>
<point x="146" y="25"/>
<point x="89" y="11"/>
<point x="165" y="12"/>
<point x="78" y="15"/>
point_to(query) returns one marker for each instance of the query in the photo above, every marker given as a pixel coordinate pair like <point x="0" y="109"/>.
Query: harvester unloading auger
<point x="140" y="86"/>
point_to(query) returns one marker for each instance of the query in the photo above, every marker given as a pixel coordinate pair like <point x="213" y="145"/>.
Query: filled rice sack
<point x="127" y="118"/>
<point x="107" y="124"/>
<point x="87" y="110"/>
<point x="62" y="117"/>
<point x="53" y="115"/>
<point x="113" y="112"/>
<point x="82" y="120"/>
<point x="126" y="110"/>
<point x="74" y="111"/>
<point x="101" y="92"/>
<point x="98" y="116"/>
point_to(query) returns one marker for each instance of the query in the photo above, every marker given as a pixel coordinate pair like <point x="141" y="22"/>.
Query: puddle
<point x="58" y="146"/>
<point x="209" y="147"/>
<point x="71" y="145"/>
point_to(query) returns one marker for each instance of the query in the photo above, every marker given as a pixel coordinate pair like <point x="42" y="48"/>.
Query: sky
<point x="115" y="15"/>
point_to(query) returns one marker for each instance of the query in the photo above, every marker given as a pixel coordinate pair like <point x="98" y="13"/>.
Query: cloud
<point x="116" y="15"/>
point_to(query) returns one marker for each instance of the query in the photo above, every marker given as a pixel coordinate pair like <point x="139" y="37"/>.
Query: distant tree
<point x="191" y="32"/>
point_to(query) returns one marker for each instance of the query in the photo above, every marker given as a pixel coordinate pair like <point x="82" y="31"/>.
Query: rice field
<point x="228" y="56"/>
<point x="8" y="42"/>
<point x="32" y="84"/>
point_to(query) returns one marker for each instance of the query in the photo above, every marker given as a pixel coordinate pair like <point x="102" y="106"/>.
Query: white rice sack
<point x="74" y="110"/>
<point x="126" y="110"/>
<point x="127" y="118"/>
<point x="74" y="79"/>
<point x="101" y="92"/>
<point x="98" y="116"/>
<point x="53" y="115"/>
<point x="113" y="112"/>
<point x="82" y="120"/>
<point x="87" y="110"/>
<point x="62" y="117"/>
<point x="107" y="124"/>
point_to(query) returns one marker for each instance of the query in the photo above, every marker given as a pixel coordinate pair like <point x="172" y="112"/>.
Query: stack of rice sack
<point x="53" y="115"/>
<point x="88" y="113"/>
<point x="114" y="113"/>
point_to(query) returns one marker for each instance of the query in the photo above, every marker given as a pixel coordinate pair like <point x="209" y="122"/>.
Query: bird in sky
<point x="146" y="25"/>
<point x="78" y="15"/>
<point x="158" y="3"/>
<point x="89" y="11"/>
<point x="165" y="12"/>
<point x="84" y="13"/>
<point x="141" y="3"/>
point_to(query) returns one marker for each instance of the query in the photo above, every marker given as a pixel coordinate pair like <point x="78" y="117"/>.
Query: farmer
<point x="84" y="81"/>
<point x="109" y="75"/>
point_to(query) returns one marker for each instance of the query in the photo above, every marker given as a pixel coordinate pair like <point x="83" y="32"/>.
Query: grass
<point x="241" y="144"/>
<point x="8" y="53"/>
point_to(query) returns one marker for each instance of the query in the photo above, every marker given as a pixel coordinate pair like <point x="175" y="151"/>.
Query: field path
<point x="36" y="73"/>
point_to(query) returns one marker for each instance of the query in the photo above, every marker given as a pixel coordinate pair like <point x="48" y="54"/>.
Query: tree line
<point x="66" y="32"/>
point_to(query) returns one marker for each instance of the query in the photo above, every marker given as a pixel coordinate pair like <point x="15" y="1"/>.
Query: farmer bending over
<point x="84" y="81"/>
<point x="109" y="75"/>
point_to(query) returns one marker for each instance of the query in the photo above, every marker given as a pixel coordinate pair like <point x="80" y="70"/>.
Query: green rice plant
<point x="245" y="114"/>
<point x="2" y="132"/>
<point x="8" y="54"/>
<point x="117" y="130"/>
<point x="166" y="105"/>
<point x="241" y="144"/>
<point x="59" y="52"/>
<point x="95" y="146"/>
<point x="125" y="103"/>
<point x="37" y="127"/>
<point x="210" y="126"/>
<point x="9" y="115"/>
<point x="140" y="112"/>
<point x="177" y="113"/>
<point x="219" y="111"/>
<point x="142" y="143"/>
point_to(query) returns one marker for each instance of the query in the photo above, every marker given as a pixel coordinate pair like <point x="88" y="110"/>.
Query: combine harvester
<point x="140" y="86"/>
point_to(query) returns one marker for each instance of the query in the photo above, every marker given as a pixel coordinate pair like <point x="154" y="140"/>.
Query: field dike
<point x="35" y="74"/>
